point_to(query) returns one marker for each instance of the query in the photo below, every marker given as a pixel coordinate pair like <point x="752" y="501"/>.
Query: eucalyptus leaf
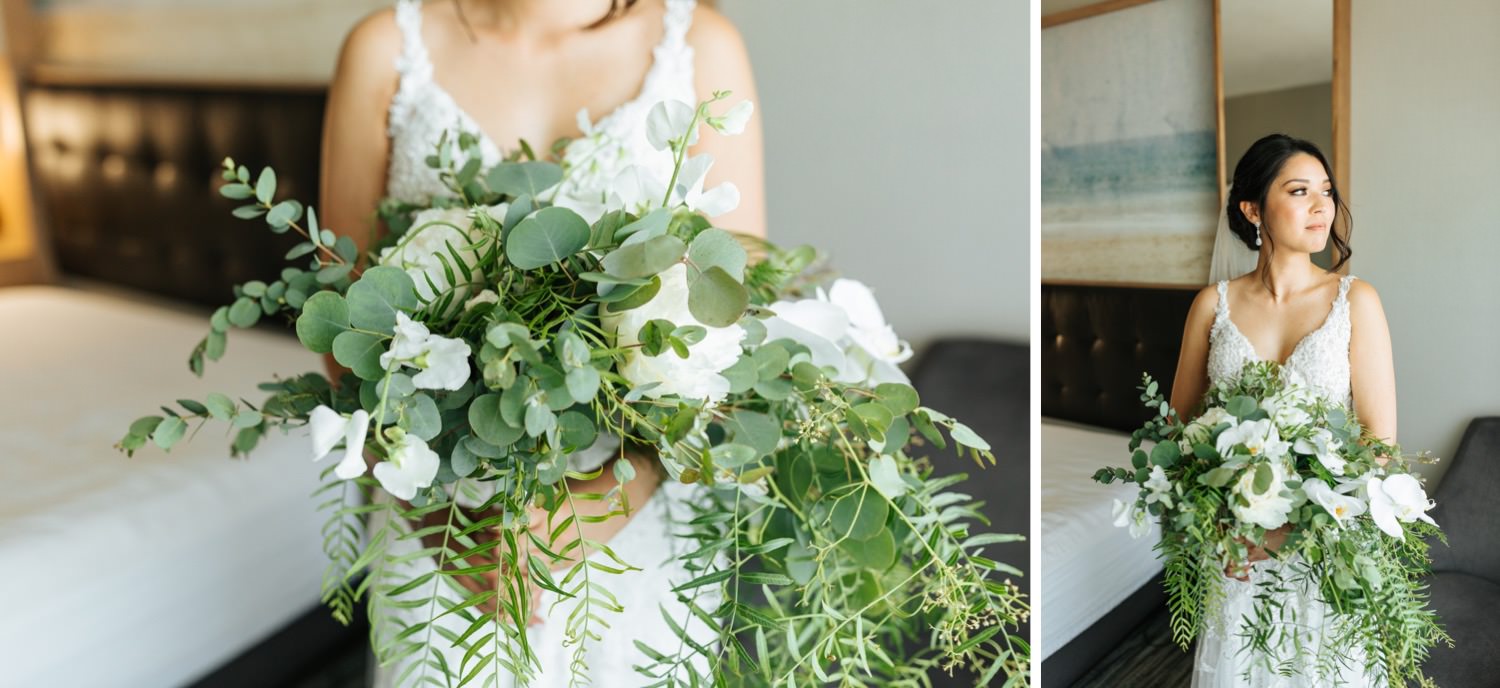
<point x="859" y="514"/>
<point x="488" y="424"/>
<point x="381" y="292"/>
<point x="717" y="248"/>
<point x="716" y="298"/>
<point x="644" y="259"/>
<point x="517" y="179"/>
<point x="324" y="316"/>
<point x="546" y="237"/>
<point x="244" y="313"/>
<point x="359" y="352"/>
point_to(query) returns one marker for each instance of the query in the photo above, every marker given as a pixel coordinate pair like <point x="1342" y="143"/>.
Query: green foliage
<point x="1373" y="583"/>
<point x="822" y="549"/>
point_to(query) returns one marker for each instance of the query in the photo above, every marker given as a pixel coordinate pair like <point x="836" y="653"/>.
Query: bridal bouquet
<point x="1269" y="454"/>
<point x="499" y="338"/>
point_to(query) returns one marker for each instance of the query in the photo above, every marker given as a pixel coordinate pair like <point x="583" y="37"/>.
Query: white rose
<point x="1268" y="509"/>
<point x="1200" y="430"/>
<point x="1398" y="498"/>
<point x="411" y="465"/>
<point x="1342" y="508"/>
<point x="698" y="375"/>
<point x="431" y="232"/>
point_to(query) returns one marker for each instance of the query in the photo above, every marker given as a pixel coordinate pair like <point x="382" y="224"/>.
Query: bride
<point x="1283" y="206"/>
<point x="540" y="71"/>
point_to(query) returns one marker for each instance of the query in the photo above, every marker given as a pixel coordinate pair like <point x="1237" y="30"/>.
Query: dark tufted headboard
<point x="1096" y="342"/>
<point x="126" y="178"/>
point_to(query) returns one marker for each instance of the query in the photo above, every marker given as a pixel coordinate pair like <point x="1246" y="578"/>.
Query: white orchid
<point x="1342" y="508"/>
<point x="411" y="465"/>
<point x="328" y="426"/>
<point x="444" y="362"/>
<point x="845" y="330"/>
<point x="1398" y="498"/>
<point x="1325" y="447"/>
<point x="1259" y="437"/>
<point x="432" y="232"/>
<point x="695" y="377"/>
<point x="1133" y="516"/>
<point x="1269" y="508"/>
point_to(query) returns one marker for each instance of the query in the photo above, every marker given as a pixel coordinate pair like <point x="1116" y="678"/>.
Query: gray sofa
<point x="1466" y="573"/>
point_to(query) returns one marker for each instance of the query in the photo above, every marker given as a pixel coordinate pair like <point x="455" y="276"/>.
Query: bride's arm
<point x="721" y="64"/>
<point x="355" y="145"/>
<point x="1372" y="372"/>
<point x="1191" y="380"/>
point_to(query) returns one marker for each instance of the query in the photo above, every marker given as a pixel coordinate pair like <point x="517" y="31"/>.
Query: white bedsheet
<point x="144" y="571"/>
<point x="1088" y="565"/>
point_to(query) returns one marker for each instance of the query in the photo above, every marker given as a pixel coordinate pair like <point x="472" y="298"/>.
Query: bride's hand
<point x="1273" y="541"/>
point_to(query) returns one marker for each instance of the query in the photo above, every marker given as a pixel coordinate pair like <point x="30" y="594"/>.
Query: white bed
<point x="152" y="570"/>
<point x="1088" y="565"/>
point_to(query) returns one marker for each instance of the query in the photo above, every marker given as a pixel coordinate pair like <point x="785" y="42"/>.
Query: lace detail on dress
<point x="1321" y="357"/>
<point x="422" y="110"/>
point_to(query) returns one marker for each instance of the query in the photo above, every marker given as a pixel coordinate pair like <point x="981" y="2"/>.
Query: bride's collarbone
<point x="1280" y="327"/>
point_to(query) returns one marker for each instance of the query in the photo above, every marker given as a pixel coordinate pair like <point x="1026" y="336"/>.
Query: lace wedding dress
<point x="1223" y="660"/>
<point x="419" y="114"/>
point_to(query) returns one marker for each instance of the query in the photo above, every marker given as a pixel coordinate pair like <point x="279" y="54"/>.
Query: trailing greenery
<point x="496" y="336"/>
<point x="1269" y="455"/>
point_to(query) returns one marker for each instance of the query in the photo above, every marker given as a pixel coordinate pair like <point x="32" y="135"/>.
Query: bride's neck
<point x="532" y="16"/>
<point x="1287" y="273"/>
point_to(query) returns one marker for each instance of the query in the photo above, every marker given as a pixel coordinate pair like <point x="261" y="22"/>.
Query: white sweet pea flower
<point x="636" y="190"/>
<point x="1342" y="508"/>
<point x="1286" y="411"/>
<point x="698" y="375"/>
<point x="411" y="465"/>
<point x="328" y="426"/>
<point x="432" y="231"/>
<point x="444" y="362"/>
<point x="1159" y="488"/>
<point x="1397" y="498"/>
<point x="733" y="122"/>
<point x="1322" y="445"/>
<point x="1268" y="509"/>
<point x="1259" y="437"/>
<point x="689" y="189"/>
<point x="668" y="122"/>
<point x="1133" y="516"/>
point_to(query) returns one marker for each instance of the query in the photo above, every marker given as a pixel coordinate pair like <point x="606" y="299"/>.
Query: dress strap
<point x="676" y="22"/>
<point x="1222" y="310"/>
<point x="413" y="63"/>
<point x="1344" y="283"/>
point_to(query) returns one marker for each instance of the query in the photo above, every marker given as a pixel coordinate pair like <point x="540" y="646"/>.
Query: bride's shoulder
<point x="366" y="61"/>
<point x="1363" y="298"/>
<point x="1205" y="304"/>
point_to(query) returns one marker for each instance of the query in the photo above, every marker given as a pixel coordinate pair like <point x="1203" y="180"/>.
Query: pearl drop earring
<point x="1257" y="234"/>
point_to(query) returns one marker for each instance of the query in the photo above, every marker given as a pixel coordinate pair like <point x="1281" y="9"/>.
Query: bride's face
<point x="1299" y="207"/>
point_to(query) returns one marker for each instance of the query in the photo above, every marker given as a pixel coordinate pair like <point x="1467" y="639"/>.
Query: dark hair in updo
<point x="1252" y="181"/>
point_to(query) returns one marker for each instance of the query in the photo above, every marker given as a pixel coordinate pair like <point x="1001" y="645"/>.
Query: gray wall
<point x="897" y="138"/>
<point x="1305" y="112"/>
<point x="1425" y="167"/>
